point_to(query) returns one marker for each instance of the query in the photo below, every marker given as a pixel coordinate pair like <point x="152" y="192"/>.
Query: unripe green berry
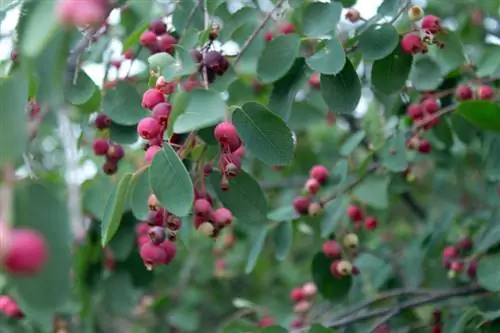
<point x="351" y="241"/>
<point x="344" y="268"/>
<point x="206" y="229"/>
<point x="415" y="13"/>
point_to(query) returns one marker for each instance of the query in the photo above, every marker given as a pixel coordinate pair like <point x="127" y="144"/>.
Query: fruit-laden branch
<point x="392" y="311"/>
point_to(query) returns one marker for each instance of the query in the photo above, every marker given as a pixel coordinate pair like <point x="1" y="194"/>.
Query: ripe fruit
<point x="161" y="112"/>
<point x="415" y="111"/>
<point x="202" y="207"/>
<point x="301" y="205"/>
<point x="266" y="321"/>
<point x="100" y="146"/>
<point x="297" y="295"/>
<point x="352" y="15"/>
<point x="457" y="266"/>
<point x="485" y="92"/>
<point x="430" y="105"/>
<point x="302" y="306"/>
<point x="464" y="93"/>
<point x="351" y="241"/>
<point x="465" y="243"/>
<point x="9" y="308"/>
<point x="227" y="135"/>
<point x="268" y="36"/>
<point x="115" y="152"/>
<point x="450" y="252"/>
<point x="424" y="146"/>
<point x="354" y="213"/>
<point x="158" y="27"/>
<point x="286" y="28"/>
<point x="81" y="12"/>
<point x="150" y="153"/>
<point x="312" y="186"/>
<point x="320" y="173"/>
<point x="151" y="98"/>
<point x="370" y="223"/>
<point x="415" y="13"/>
<point x="27" y="253"/>
<point x="222" y="217"/>
<point x="102" y="121"/>
<point x="170" y="250"/>
<point x="431" y="24"/>
<point x="412" y="44"/>
<point x="148" y="128"/>
<point x="110" y="167"/>
<point x="215" y="61"/>
<point x="151" y="255"/>
<point x="156" y="235"/>
<point x="332" y="249"/>
<point x="166" y="43"/>
<point x="309" y="289"/>
<point x="314" y="81"/>
<point x="472" y="269"/>
<point x="148" y="39"/>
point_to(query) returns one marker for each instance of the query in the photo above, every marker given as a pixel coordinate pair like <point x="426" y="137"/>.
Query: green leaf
<point x="389" y="7"/>
<point x="352" y="143"/>
<point x="40" y="28"/>
<point x="491" y="158"/>
<point x="374" y="126"/>
<point x="139" y="194"/>
<point x="239" y="326"/>
<point x="425" y="74"/>
<point x="389" y="75"/>
<point x="318" y="328"/>
<point x="373" y="191"/>
<point x="248" y="62"/>
<point x="171" y="183"/>
<point x="452" y="56"/>
<point x="490" y="238"/>
<point x="159" y="61"/>
<point x="82" y="91"/>
<point x="257" y="245"/>
<point x="319" y="18"/>
<point x="36" y="207"/>
<point x="482" y="114"/>
<point x="488" y="273"/>
<point x="203" y="108"/>
<point x="460" y="325"/>
<point x="342" y="92"/>
<point x="184" y="64"/>
<point x="489" y="63"/>
<point x="277" y="58"/>
<point x="13" y="132"/>
<point x="329" y="287"/>
<point x="115" y="206"/>
<point x="271" y="329"/>
<point x="245" y="199"/>
<point x="330" y="59"/>
<point x="126" y="135"/>
<point x="120" y="294"/>
<point x="443" y="132"/>
<point x="393" y="154"/>
<point x="188" y="14"/>
<point x="378" y="41"/>
<point x="264" y="133"/>
<point x="284" y="213"/>
<point x="304" y="115"/>
<point x="123" y="104"/>
<point x="376" y="271"/>
<point x="285" y="90"/>
<point x="283" y="236"/>
<point x="96" y="195"/>
<point x="333" y="213"/>
<point x="123" y="242"/>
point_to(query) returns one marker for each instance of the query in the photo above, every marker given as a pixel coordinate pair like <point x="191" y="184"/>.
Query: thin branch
<point x="400" y="11"/>
<point x="191" y="16"/>
<point x="254" y="34"/>
<point x="383" y="320"/>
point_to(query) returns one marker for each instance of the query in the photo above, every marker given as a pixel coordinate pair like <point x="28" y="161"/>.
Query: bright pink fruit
<point x="370" y="223"/>
<point x="202" y="207"/>
<point x="301" y="205"/>
<point x="150" y="153"/>
<point x="100" y="146"/>
<point x="82" y="12"/>
<point x="148" y="39"/>
<point x="161" y="112"/>
<point x="431" y="24"/>
<point x="412" y="44"/>
<point x="151" y="98"/>
<point x="268" y="36"/>
<point x="415" y="111"/>
<point x="158" y="27"/>
<point x="227" y="135"/>
<point x="314" y="81"/>
<point x="102" y="121"/>
<point x="152" y="255"/>
<point x="320" y="173"/>
<point x="297" y="295"/>
<point x="148" y="128"/>
<point x="286" y="28"/>
<point x="222" y="216"/>
<point x="450" y="252"/>
<point x="485" y="92"/>
<point x="166" y="43"/>
<point x="354" y="213"/>
<point x="27" y="253"/>
<point x="170" y="251"/>
<point x="430" y="105"/>
<point x="332" y="249"/>
<point x="266" y="321"/>
<point x="312" y="186"/>
<point x="464" y="93"/>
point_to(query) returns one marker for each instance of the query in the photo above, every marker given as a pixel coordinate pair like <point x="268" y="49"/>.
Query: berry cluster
<point x="454" y="258"/>
<point x="284" y="28"/>
<point x="332" y="249"/>
<point x="357" y="216"/>
<point x="302" y="297"/>
<point x="102" y="146"/>
<point x="483" y="92"/>
<point x="207" y="220"/>
<point x="437" y="321"/>
<point x="157" y="39"/>
<point x="9" y="308"/>
<point x="305" y="204"/>
<point x="414" y="42"/>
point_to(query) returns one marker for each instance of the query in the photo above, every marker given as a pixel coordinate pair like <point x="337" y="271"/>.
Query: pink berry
<point x="312" y="186"/>
<point x="115" y="152"/>
<point x="202" y="207"/>
<point x="222" y="216"/>
<point x="170" y="250"/>
<point x="465" y="243"/>
<point x="430" y="105"/>
<point x="227" y="135"/>
<point x="424" y="147"/>
<point x="457" y="266"/>
<point x="314" y="81"/>
<point x="370" y="223"/>
<point x="148" y="39"/>
<point x="297" y="295"/>
<point x="320" y="173"/>
<point x="412" y="44"/>
<point x="309" y="289"/>
<point x="301" y="205"/>
<point x="100" y="146"/>
<point x="431" y="24"/>
<point x="415" y="112"/>
<point x="152" y="255"/>
<point x="27" y="253"/>
<point x="150" y="153"/>
<point x="102" y="121"/>
<point x="141" y="229"/>
<point x="266" y="321"/>
<point x="286" y="28"/>
<point x="354" y="213"/>
<point x="161" y="112"/>
<point x="158" y="27"/>
<point x="166" y="43"/>
<point x="332" y="249"/>
<point x="151" y="98"/>
<point x="81" y="12"/>
<point x="148" y="128"/>
<point x="464" y="93"/>
<point x="485" y="92"/>
<point x="268" y="36"/>
<point x="450" y="252"/>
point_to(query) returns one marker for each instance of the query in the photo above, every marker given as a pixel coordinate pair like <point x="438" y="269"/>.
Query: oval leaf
<point x="139" y="193"/>
<point x="123" y="104"/>
<point x="488" y="273"/>
<point x="319" y="18"/>
<point x="328" y="286"/>
<point x="283" y="236"/>
<point x="483" y="114"/>
<point x="329" y="60"/>
<point x="389" y="75"/>
<point x="115" y="206"/>
<point x="333" y="213"/>
<point x="277" y="58"/>
<point x="201" y="108"/>
<point x="264" y="133"/>
<point x="373" y="191"/>
<point x="257" y="246"/>
<point x="82" y="91"/>
<point x="425" y="74"/>
<point x="378" y="41"/>
<point x="342" y="92"/>
<point x="393" y="154"/>
<point x="171" y="183"/>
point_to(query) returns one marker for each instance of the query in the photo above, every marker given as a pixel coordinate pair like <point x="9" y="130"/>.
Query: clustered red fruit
<point x="232" y="151"/>
<point x="284" y="28"/>
<point x="82" y="12"/>
<point x="340" y="266"/>
<point x="437" y="323"/>
<point x="9" y="308"/>
<point x="157" y="39"/>
<point x="484" y="92"/>
<point x="307" y="204"/>
<point x="102" y="146"/>
<point x="302" y="297"/>
<point x="356" y="215"/>
<point x="413" y="42"/>
<point x="455" y="260"/>
<point x="207" y="220"/>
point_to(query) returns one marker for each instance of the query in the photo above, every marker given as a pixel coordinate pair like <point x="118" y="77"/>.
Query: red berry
<point x="81" y="13"/>
<point x="312" y="186"/>
<point x="170" y="250"/>
<point x="431" y="24"/>
<point x="151" y="98"/>
<point x="150" y="153"/>
<point x="148" y="39"/>
<point x="100" y="146"/>
<point x="415" y="112"/>
<point x="102" y="121"/>
<point x="202" y="207"/>
<point x="297" y="295"/>
<point x="412" y="44"/>
<point x="227" y="135"/>
<point x="158" y="27"/>
<point x="27" y="253"/>
<point x="450" y="252"/>
<point x="266" y="321"/>
<point x="110" y="167"/>
<point x="314" y="81"/>
<point x="268" y="36"/>
<point x="301" y="205"/>
<point x="320" y="173"/>
<point x="115" y="152"/>
<point x="485" y="92"/>
<point x="332" y="249"/>
<point x="148" y="128"/>
<point x="436" y="316"/>
<point x="141" y="229"/>
<point x="240" y="151"/>
<point x="166" y="43"/>
<point x="161" y="112"/>
<point x="222" y="217"/>
<point x="297" y="323"/>
<point x="352" y="15"/>
<point x="464" y="93"/>
<point x="354" y="213"/>
<point x="286" y="28"/>
<point x="472" y="269"/>
<point x="117" y="63"/>
<point x="430" y="105"/>
<point x="152" y="255"/>
<point x="424" y="146"/>
<point x="457" y="266"/>
<point x="465" y="243"/>
<point x="436" y="328"/>
<point x="370" y="223"/>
